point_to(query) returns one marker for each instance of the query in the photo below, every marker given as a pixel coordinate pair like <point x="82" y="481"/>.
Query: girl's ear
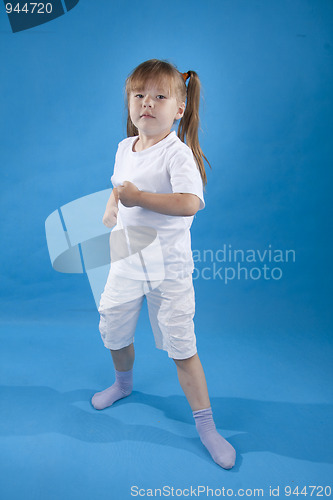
<point x="181" y="110"/>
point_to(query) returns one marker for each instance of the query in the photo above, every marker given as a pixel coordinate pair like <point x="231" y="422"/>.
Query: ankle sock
<point x="221" y="451"/>
<point x="120" y="389"/>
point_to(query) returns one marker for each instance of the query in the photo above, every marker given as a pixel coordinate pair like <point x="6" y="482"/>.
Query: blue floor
<point x="270" y="390"/>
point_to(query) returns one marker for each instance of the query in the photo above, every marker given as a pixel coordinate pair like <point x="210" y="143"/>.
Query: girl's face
<point x="153" y="110"/>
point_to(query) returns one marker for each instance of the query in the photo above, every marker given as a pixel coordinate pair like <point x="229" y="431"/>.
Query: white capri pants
<point x="171" y="307"/>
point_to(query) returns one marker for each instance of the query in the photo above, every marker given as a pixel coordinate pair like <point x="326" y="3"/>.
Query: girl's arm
<point x="111" y="210"/>
<point x="184" y="204"/>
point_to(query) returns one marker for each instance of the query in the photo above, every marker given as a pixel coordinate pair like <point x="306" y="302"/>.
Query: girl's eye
<point x="139" y="96"/>
<point x="160" y="96"/>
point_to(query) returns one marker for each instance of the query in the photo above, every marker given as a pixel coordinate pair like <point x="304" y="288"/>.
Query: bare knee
<point x="182" y="363"/>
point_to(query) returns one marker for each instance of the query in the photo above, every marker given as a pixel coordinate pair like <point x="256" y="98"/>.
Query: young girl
<point x="158" y="188"/>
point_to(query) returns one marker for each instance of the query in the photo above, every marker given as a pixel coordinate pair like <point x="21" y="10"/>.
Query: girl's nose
<point x="147" y="101"/>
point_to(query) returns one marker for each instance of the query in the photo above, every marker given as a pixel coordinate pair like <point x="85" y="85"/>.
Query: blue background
<point x="266" y="345"/>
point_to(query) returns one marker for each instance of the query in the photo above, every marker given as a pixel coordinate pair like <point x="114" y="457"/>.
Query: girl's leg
<point x="193" y="382"/>
<point x="123" y="360"/>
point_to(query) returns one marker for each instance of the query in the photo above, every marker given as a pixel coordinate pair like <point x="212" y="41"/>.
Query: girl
<point x="158" y="188"/>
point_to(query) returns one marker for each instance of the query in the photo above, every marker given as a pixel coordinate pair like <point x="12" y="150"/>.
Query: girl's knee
<point x="185" y="361"/>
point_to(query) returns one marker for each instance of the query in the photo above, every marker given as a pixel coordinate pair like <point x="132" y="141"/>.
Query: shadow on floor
<point x="301" y="431"/>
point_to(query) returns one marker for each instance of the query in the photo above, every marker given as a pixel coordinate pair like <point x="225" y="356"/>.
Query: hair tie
<point x="185" y="76"/>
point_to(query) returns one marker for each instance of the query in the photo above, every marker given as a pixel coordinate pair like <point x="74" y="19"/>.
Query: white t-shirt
<point x="145" y="244"/>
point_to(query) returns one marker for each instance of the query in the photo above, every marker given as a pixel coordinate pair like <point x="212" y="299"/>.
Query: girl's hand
<point x="128" y="194"/>
<point x="110" y="217"/>
<point x="111" y="211"/>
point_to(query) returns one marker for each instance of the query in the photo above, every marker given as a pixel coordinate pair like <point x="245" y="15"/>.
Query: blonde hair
<point x="188" y="127"/>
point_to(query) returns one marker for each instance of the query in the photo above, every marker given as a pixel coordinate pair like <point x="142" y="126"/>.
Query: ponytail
<point x="189" y="124"/>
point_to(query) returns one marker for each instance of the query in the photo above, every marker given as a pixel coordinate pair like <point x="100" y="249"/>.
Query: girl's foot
<point x="120" y="389"/>
<point x="221" y="451"/>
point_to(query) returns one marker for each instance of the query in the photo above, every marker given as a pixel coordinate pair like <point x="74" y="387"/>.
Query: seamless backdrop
<point x="266" y="126"/>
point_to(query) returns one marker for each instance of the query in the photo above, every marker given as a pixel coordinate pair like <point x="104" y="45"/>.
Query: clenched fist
<point x="128" y="194"/>
<point x="110" y="217"/>
<point x="111" y="211"/>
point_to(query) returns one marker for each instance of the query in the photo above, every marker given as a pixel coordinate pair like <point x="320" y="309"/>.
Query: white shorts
<point x="171" y="308"/>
